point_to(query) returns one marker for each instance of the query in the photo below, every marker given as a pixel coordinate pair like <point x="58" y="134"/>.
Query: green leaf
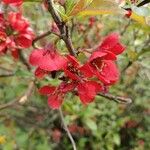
<point x="91" y="124"/>
<point x="99" y="7"/>
<point x="116" y="139"/>
<point x="79" y="6"/>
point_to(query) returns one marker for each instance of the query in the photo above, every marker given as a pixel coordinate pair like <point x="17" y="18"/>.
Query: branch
<point x="63" y="28"/>
<point x="67" y="130"/>
<point x="42" y="36"/>
<point x="6" y="69"/>
<point x="7" y="75"/>
<point x="21" y="100"/>
<point x="143" y="3"/>
<point x="117" y="99"/>
<point x="24" y="61"/>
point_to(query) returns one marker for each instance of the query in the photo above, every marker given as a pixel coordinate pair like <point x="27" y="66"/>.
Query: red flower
<point x="107" y="72"/>
<point x="48" y="60"/>
<point x="101" y="62"/>
<point x="56" y="94"/>
<point x="79" y="78"/>
<point x="88" y="90"/>
<point x="109" y="48"/>
<point x="17" y="21"/>
<point x="13" y="2"/>
<point x="15" y="33"/>
<point x="24" y="34"/>
<point x="72" y="68"/>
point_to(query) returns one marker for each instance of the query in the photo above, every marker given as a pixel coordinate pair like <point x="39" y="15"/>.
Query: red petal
<point x="109" y="73"/>
<point x="14" y="2"/>
<point x="87" y="70"/>
<point x="17" y="21"/>
<point x="55" y="101"/>
<point x="3" y="47"/>
<point x="24" y="40"/>
<point x="73" y="61"/>
<point x="110" y="41"/>
<point x="118" y="49"/>
<point x="88" y="90"/>
<point x="15" y="53"/>
<point x="71" y="75"/>
<point x="103" y="55"/>
<point x="36" y="57"/>
<point x="66" y="87"/>
<point x="46" y="61"/>
<point x="40" y="73"/>
<point x="46" y="90"/>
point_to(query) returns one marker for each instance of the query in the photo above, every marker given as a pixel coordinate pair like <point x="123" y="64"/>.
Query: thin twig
<point x="24" y="61"/>
<point x="67" y="130"/>
<point x="21" y="100"/>
<point x="7" y="75"/>
<point x="117" y="99"/>
<point x="42" y="36"/>
<point x="6" y="69"/>
<point x="143" y="3"/>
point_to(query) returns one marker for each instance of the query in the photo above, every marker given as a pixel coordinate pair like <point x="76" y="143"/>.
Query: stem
<point x="143" y="3"/>
<point x="63" y="28"/>
<point x="42" y="36"/>
<point x="24" y="61"/>
<point x="117" y="99"/>
<point x="7" y="75"/>
<point x="67" y="130"/>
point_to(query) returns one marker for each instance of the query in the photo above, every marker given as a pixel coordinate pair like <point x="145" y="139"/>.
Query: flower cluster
<point x="15" y="33"/>
<point x="13" y="2"/>
<point x="85" y="80"/>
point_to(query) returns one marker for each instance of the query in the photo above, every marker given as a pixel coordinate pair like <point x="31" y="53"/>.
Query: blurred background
<point x="102" y="125"/>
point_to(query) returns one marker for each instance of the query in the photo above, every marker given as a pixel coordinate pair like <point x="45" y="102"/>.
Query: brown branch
<point x="6" y="69"/>
<point x="7" y="75"/>
<point x="67" y="130"/>
<point x="42" y="36"/>
<point x="21" y="100"/>
<point x="24" y="61"/>
<point x="63" y="28"/>
<point x="117" y="99"/>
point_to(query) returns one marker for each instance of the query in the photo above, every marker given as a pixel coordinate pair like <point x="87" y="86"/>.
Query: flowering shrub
<point x="87" y="79"/>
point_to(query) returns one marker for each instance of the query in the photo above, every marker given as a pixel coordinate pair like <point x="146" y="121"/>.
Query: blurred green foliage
<point x="102" y="125"/>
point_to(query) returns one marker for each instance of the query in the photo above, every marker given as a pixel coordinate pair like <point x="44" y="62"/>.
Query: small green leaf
<point x="91" y="124"/>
